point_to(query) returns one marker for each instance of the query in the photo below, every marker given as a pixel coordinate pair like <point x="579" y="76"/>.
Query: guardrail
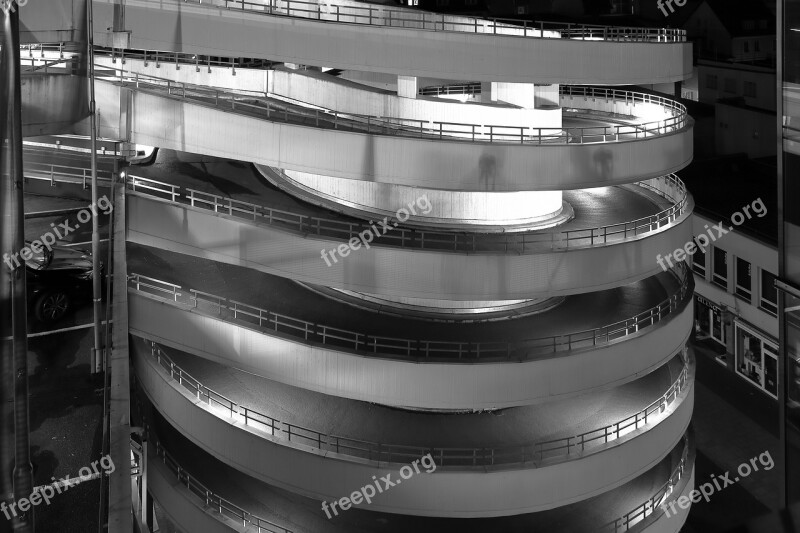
<point x="294" y="328"/>
<point x="670" y="187"/>
<point x="397" y="17"/>
<point x="178" y="59"/>
<point x="633" y="517"/>
<point x="215" y="501"/>
<point x="283" y="109"/>
<point x="63" y="174"/>
<point x="535" y="453"/>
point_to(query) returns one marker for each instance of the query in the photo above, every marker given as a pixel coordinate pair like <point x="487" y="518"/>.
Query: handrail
<point x="396" y="17"/>
<point x="62" y="173"/>
<point x="607" y="94"/>
<point x="648" y="507"/>
<point x="178" y="58"/>
<point x="226" y="508"/>
<point x="535" y="453"/>
<point x="215" y="501"/>
<point x="290" y="327"/>
<point x="283" y="109"/>
<point x="670" y="187"/>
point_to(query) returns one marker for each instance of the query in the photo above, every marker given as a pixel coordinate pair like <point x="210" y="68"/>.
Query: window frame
<point x="745" y="293"/>
<point x="723" y="281"/>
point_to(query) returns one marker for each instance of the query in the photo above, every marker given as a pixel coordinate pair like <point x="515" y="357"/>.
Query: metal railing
<point x="215" y="501"/>
<point x="283" y="109"/>
<point x="396" y="17"/>
<point x="63" y="174"/>
<point x="535" y="453"/>
<point x="626" y="97"/>
<point x="642" y="511"/>
<point x="670" y="187"/>
<point x="294" y="328"/>
<point x="179" y="59"/>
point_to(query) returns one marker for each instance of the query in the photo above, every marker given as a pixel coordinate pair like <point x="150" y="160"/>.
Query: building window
<point x="746" y="47"/>
<point x="769" y="293"/>
<point x="711" y="81"/>
<point x="750" y="89"/>
<point x="730" y="85"/>
<point x="744" y="284"/>
<point x="720" y="268"/>
<point x="699" y="260"/>
<point x="757" y="359"/>
<point x="771" y="368"/>
<point x="756" y="46"/>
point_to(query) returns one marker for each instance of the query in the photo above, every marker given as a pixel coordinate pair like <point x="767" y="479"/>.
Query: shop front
<point x="709" y="320"/>
<point x="756" y="357"/>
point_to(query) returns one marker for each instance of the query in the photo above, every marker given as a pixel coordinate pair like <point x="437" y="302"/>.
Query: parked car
<point x="56" y="280"/>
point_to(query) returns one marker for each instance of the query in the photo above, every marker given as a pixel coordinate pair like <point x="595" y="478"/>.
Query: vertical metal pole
<point x="96" y="359"/>
<point x="14" y="240"/>
<point x="145" y="500"/>
<point x="7" y="249"/>
<point x="783" y="355"/>
<point x="106" y="445"/>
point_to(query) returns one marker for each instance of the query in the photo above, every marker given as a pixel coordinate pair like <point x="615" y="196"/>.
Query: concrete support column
<point x="546" y="96"/>
<point x="407" y="86"/>
<point x="521" y="94"/>
<point x="488" y="92"/>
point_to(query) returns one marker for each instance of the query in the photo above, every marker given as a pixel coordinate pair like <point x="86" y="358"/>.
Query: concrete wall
<point x="220" y="77"/>
<point x="332" y="93"/>
<point x="52" y="21"/>
<point x="157" y="120"/>
<point x="52" y="103"/>
<point x="191" y="28"/>
<point x="445" y="492"/>
<point x="182" y="507"/>
<point x="386" y="381"/>
<point x="488" y="210"/>
<point x="396" y="271"/>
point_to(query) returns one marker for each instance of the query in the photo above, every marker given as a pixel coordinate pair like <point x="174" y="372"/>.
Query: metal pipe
<point x="7" y="249"/>
<point x="14" y="239"/>
<point x="97" y="296"/>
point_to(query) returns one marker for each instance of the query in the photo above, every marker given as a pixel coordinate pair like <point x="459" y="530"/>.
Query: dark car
<point x="57" y="279"/>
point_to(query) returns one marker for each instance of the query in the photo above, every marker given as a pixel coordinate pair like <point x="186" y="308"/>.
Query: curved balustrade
<point x="215" y="501"/>
<point x="669" y="187"/>
<point x="283" y="109"/>
<point x="535" y="453"/>
<point x="627" y="521"/>
<point x="678" y="110"/>
<point x="398" y="17"/>
<point x="230" y="510"/>
<point x="416" y="349"/>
